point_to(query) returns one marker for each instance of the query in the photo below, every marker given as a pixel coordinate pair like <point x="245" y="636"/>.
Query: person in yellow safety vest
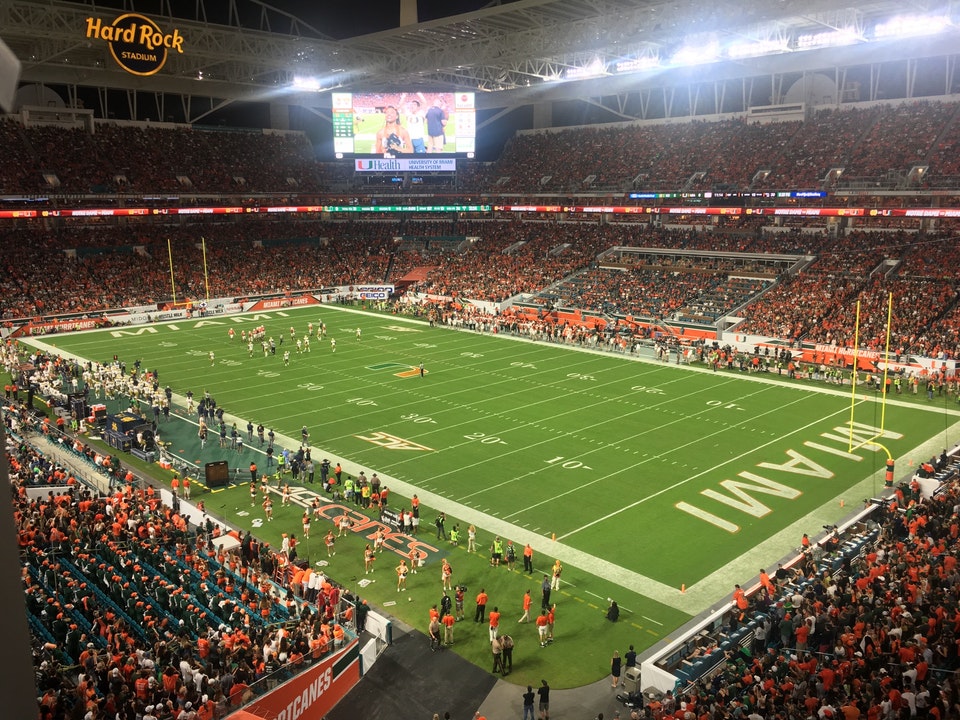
<point x="496" y="551"/>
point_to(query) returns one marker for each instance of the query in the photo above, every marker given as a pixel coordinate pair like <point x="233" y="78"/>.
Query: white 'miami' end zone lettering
<point x="742" y="491"/>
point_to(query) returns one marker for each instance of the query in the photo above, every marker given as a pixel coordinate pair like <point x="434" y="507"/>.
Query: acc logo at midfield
<point x="136" y="42"/>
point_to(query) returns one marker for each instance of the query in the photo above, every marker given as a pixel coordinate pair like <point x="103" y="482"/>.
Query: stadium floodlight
<point x="595" y="68"/>
<point x="696" y="53"/>
<point x="637" y="64"/>
<point x="911" y="26"/>
<point x="307" y="83"/>
<point x="757" y="48"/>
<point x="833" y="38"/>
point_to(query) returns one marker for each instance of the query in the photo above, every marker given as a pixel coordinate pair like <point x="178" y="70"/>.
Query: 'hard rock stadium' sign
<point x="136" y="42"/>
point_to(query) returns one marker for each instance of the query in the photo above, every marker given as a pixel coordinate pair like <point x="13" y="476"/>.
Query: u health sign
<point x="136" y="42"/>
<point x="406" y="165"/>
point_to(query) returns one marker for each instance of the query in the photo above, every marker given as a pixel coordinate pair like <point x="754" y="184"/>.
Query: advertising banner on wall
<point x="313" y="693"/>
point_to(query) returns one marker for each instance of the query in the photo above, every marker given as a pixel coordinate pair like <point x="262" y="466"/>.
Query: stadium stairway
<point x="63" y="456"/>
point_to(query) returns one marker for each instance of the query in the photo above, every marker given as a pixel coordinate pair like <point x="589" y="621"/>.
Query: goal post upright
<point x="855" y="375"/>
<point x="888" y="479"/>
<point x="173" y="284"/>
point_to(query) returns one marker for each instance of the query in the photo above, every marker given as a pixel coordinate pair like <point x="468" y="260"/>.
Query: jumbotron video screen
<point x="404" y="124"/>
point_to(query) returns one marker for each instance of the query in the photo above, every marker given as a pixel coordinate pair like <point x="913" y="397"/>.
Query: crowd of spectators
<point x="820" y="303"/>
<point x="868" y="143"/>
<point x="223" y="259"/>
<point x="730" y="155"/>
<point x="71" y="268"/>
<point x="863" y="635"/>
<point x="141" y="159"/>
<point x="62" y="266"/>
<point x="916" y="126"/>
<point x="135" y="612"/>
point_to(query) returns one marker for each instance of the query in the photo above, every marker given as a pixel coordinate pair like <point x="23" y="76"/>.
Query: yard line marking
<point x="780" y="438"/>
<point x="554" y="549"/>
<point x="636" y="436"/>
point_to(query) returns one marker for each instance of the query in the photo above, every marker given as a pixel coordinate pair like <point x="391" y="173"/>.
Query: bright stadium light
<point x="637" y="64"/>
<point x="696" y="53"/>
<point x="911" y="26"/>
<point x="756" y="48"/>
<point x="306" y="83"/>
<point x="832" y="38"/>
<point x="593" y="69"/>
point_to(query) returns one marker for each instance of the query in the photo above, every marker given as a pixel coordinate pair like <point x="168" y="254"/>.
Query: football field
<point x="658" y="485"/>
<point x="642" y="476"/>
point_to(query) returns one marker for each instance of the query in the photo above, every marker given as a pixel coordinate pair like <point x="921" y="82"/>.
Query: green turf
<point x="535" y="442"/>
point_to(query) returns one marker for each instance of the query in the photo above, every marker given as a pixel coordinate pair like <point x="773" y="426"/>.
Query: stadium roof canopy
<point x="512" y="53"/>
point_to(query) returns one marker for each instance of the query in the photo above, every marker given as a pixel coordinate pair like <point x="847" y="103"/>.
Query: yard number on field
<point x="362" y="402"/>
<point x="580" y="376"/>
<point x="485" y="439"/>
<point x="566" y="464"/>
<point x="648" y="390"/>
<point x="725" y="406"/>
<point x="413" y="417"/>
